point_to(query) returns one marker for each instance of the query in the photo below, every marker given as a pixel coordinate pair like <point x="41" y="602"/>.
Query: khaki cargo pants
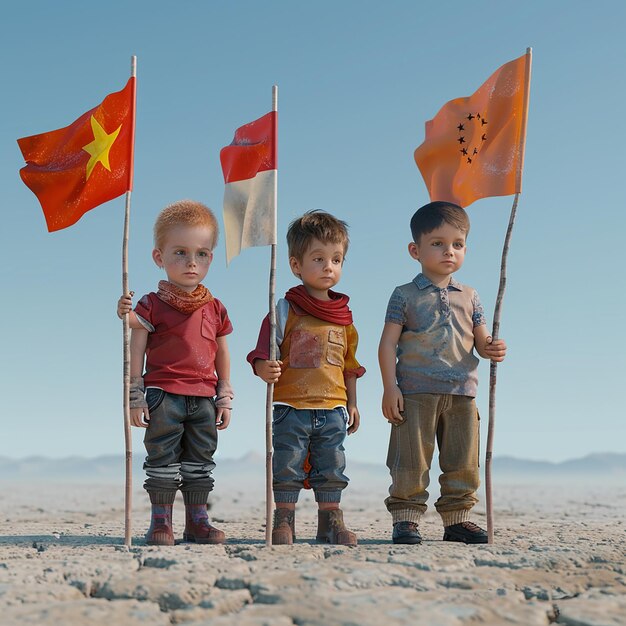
<point x="453" y="423"/>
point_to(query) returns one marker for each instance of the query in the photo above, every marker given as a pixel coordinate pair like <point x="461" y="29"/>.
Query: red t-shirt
<point x="180" y="354"/>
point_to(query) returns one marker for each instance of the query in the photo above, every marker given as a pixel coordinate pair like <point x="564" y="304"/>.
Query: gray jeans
<point x="180" y="440"/>
<point x="318" y="433"/>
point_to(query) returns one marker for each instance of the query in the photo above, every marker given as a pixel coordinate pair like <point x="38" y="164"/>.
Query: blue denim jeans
<point x="298" y="432"/>
<point x="180" y="440"/>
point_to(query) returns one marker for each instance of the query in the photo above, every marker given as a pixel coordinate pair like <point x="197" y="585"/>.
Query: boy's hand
<point x="354" y="420"/>
<point x="140" y="417"/>
<point x="495" y="350"/>
<point x="268" y="371"/>
<point x="125" y="304"/>
<point x="393" y="405"/>
<point x="222" y="418"/>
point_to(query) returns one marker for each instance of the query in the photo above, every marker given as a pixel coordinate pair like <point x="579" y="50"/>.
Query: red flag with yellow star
<point x="74" y="169"/>
<point x="474" y="146"/>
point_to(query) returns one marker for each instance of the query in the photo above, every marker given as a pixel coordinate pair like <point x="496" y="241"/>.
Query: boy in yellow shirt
<point x="314" y="379"/>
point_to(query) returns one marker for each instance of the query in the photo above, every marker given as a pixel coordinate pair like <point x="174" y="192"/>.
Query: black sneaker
<point x="406" y="532"/>
<point x="465" y="532"/>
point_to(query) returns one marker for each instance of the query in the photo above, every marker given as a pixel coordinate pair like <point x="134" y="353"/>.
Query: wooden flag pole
<point x="126" y="349"/>
<point x="269" y="494"/>
<point x="493" y="370"/>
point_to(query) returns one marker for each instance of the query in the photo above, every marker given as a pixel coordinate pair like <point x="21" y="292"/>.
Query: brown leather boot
<point x="284" y="529"/>
<point x="197" y="526"/>
<point x="160" y="532"/>
<point x="331" y="529"/>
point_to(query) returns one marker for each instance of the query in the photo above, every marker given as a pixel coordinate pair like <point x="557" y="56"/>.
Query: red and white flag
<point x="249" y="166"/>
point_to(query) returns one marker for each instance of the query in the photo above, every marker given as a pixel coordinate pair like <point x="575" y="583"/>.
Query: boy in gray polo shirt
<point x="426" y="353"/>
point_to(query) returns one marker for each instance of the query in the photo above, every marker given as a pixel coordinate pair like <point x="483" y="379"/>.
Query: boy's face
<point x="186" y="255"/>
<point x="441" y="252"/>
<point x="320" y="268"/>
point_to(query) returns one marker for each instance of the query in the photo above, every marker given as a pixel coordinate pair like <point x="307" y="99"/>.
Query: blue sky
<point x="357" y="80"/>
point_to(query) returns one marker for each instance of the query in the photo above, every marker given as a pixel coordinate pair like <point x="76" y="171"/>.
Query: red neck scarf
<point x="334" y="310"/>
<point x="182" y="300"/>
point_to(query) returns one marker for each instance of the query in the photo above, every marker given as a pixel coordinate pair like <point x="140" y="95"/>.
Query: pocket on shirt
<point x="208" y="329"/>
<point x="305" y="349"/>
<point x="336" y="347"/>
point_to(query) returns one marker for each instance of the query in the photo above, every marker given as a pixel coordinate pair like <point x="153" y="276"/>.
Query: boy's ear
<point x="294" y="264"/>
<point x="157" y="258"/>
<point x="414" y="251"/>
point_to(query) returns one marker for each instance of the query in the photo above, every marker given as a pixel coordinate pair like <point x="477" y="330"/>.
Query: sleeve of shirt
<point x="352" y="368"/>
<point x="262" y="350"/>
<point x="478" y="314"/>
<point x="143" y="310"/>
<point x="396" y="309"/>
<point x="225" y="326"/>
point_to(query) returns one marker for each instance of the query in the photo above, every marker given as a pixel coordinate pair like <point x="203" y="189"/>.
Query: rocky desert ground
<point x="559" y="557"/>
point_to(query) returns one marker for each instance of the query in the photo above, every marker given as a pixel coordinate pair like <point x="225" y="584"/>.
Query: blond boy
<point x="180" y="332"/>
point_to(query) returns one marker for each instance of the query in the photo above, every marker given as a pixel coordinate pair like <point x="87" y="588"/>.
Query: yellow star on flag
<point x="99" y="148"/>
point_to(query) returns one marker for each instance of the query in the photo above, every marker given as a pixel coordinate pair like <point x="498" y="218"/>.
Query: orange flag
<point x="474" y="146"/>
<point x="76" y="168"/>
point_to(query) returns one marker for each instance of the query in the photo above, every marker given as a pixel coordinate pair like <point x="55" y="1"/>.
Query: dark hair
<point x="434" y="214"/>
<point x="318" y="225"/>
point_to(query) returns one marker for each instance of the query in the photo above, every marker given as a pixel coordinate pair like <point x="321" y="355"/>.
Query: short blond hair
<point x="318" y="225"/>
<point x="187" y="213"/>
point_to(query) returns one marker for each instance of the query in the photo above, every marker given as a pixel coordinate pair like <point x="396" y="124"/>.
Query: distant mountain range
<point x="250" y="467"/>
<point x="597" y="464"/>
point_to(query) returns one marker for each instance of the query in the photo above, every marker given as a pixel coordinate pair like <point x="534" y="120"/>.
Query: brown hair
<point x="185" y="212"/>
<point x="316" y="224"/>
<point x="434" y="214"/>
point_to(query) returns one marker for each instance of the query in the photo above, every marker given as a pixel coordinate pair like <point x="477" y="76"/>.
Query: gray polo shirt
<point x="436" y="347"/>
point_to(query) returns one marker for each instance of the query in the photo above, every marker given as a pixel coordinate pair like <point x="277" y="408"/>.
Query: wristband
<point x="224" y="394"/>
<point x="136" y="393"/>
